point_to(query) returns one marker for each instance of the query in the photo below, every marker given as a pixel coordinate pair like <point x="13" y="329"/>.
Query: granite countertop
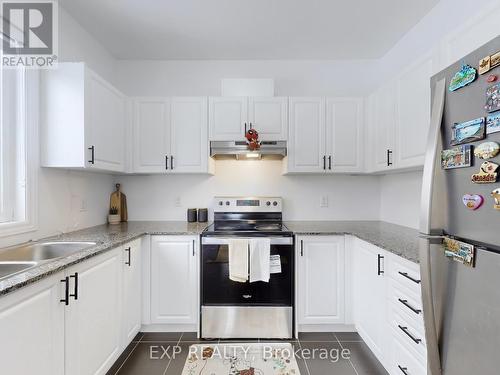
<point x="106" y="237"/>
<point x="402" y="241"/>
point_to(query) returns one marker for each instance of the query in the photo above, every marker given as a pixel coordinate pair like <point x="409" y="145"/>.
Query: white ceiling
<point x="248" y="29"/>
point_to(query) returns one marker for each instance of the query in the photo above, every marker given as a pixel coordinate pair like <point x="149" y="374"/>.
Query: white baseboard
<point x="326" y="328"/>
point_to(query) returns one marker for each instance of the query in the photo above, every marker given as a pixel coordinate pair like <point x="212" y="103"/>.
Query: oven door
<point x="218" y="290"/>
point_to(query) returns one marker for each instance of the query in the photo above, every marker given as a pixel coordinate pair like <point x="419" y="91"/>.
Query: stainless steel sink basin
<point x="11" y="268"/>
<point x="36" y="252"/>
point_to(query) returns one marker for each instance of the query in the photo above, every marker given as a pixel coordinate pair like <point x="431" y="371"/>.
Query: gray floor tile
<point x="363" y="359"/>
<point x="161" y="336"/>
<point x="147" y="359"/>
<point x="317" y="336"/>
<point x="121" y="359"/>
<point x="189" y="336"/>
<point x="324" y="358"/>
<point x="177" y="364"/>
<point x="348" y="336"/>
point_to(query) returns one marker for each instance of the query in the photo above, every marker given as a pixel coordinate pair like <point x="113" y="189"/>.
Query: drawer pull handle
<point x="405" y="330"/>
<point x="405" y="274"/>
<point x="380" y="258"/>
<point x="405" y="302"/>
<point x="404" y="370"/>
<point x="65" y="300"/>
<point x="75" y="290"/>
<point x="128" y="262"/>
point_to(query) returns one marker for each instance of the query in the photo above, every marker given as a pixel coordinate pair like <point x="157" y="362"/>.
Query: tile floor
<point x="152" y="354"/>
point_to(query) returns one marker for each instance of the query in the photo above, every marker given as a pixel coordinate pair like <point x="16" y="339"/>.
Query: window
<point x="18" y="155"/>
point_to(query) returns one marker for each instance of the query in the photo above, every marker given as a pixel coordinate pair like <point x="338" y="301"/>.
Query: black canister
<point x="202" y="215"/>
<point x="192" y="215"/>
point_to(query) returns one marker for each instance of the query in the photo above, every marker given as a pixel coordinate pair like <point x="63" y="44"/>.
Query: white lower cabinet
<point x="132" y="286"/>
<point x="32" y="330"/>
<point x="174" y="281"/>
<point x="93" y="316"/>
<point x="320" y="281"/>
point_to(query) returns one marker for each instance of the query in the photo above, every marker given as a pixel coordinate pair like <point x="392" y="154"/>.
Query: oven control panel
<point x="248" y="204"/>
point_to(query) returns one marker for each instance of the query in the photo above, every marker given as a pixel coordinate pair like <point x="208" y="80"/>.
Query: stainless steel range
<point x="231" y="309"/>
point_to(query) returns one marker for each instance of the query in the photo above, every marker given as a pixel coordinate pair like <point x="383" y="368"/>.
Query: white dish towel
<point x="260" y="253"/>
<point x="238" y="260"/>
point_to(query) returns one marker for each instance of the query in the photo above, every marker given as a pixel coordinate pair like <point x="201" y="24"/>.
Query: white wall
<point x="349" y="197"/>
<point x="61" y="193"/>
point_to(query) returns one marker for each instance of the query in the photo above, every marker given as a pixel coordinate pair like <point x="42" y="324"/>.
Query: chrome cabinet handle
<point x="404" y="370"/>
<point x="405" y="330"/>
<point x="75" y="290"/>
<point x="405" y="274"/>
<point x="128" y="263"/>
<point x="405" y="302"/>
<point x="380" y="271"/>
<point x="92" y="153"/>
<point x="66" y="291"/>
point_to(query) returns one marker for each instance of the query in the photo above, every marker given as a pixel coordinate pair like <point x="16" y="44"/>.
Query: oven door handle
<point x="225" y="240"/>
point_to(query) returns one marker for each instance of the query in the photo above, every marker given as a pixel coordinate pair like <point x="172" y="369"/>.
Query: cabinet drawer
<point x="403" y="362"/>
<point x="406" y="303"/>
<point x="405" y="273"/>
<point x="409" y="334"/>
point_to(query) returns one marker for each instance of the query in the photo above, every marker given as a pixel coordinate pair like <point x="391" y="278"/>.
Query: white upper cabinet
<point x="269" y="116"/>
<point x="170" y="135"/>
<point x="306" y="145"/>
<point x="151" y="135"/>
<point x="82" y="120"/>
<point x="227" y="118"/>
<point x="414" y="105"/>
<point x="344" y="137"/>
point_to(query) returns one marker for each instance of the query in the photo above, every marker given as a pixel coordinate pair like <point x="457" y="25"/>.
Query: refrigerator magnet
<point x="493" y="98"/>
<point x="487" y="173"/>
<point x="459" y="251"/>
<point x="487" y="150"/>
<point x="493" y="123"/>
<point x="484" y="65"/>
<point x="473" y="201"/>
<point x="491" y="78"/>
<point x="495" y="60"/>
<point x="496" y="196"/>
<point x="466" y="75"/>
<point x="457" y="157"/>
<point x="469" y="131"/>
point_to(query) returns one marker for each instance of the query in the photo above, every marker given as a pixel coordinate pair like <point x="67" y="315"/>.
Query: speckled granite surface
<point x="402" y="241"/>
<point x="107" y="237"/>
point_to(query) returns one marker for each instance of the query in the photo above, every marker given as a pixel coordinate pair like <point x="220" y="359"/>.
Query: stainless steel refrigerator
<point x="461" y="304"/>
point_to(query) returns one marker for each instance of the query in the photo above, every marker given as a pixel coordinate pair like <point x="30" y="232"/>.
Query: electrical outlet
<point x="323" y="201"/>
<point x="178" y="202"/>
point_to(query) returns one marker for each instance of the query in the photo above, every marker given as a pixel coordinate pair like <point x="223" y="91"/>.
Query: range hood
<point x="239" y="150"/>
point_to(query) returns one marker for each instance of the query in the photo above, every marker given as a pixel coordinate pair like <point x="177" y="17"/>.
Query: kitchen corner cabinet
<point x="174" y="280"/>
<point x="231" y="117"/>
<point x="131" y="291"/>
<point x="170" y="135"/>
<point x="32" y="329"/>
<point x="82" y="120"/>
<point x="320" y="281"/>
<point x="325" y="135"/>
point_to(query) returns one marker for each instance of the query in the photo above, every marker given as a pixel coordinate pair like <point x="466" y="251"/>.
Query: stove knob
<point x="227" y="203"/>
<point x="268" y="203"/>
<point x="275" y="203"/>
<point x="221" y="203"/>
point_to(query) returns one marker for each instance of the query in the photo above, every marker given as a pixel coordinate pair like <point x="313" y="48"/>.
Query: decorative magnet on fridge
<point x="496" y="196"/>
<point x="493" y="123"/>
<point x="493" y="98"/>
<point x="487" y="173"/>
<point x="473" y="201"/>
<point x="459" y="251"/>
<point x="457" y="157"/>
<point x="469" y="131"/>
<point x="487" y="150"/>
<point x="484" y="65"/>
<point x="491" y="78"/>
<point x="495" y="60"/>
<point x="463" y="77"/>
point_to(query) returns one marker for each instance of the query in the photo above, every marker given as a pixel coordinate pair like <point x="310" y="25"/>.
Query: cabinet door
<point x="227" y="118"/>
<point x="105" y="124"/>
<point x="306" y="146"/>
<point x="189" y="130"/>
<point x="414" y="103"/>
<point x="370" y="295"/>
<point x="32" y="327"/>
<point x="151" y="135"/>
<point x="320" y="280"/>
<point x="174" y="285"/>
<point x="269" y="116"/>
<point x="344" y="134"/>
<point x="93" y="319"/>
<point x="383" y="111"/>
<point x="132" y="296"/>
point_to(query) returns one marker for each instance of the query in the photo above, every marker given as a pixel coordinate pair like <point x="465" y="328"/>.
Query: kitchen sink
<point x="10" y="268"/>
<point x="36" y="252"/>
